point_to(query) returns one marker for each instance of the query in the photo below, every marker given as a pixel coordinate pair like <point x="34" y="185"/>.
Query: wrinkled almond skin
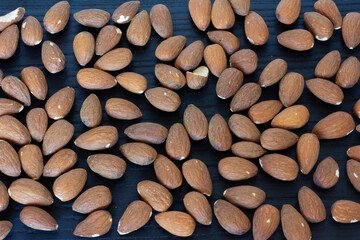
<point x="139" y="30"/>
<point x="191" y="56"/>
<point x="328" y="66"/>
<point x="236" y="168"/>
<point x="321" y="27"/>
<point x="326" y="174"/>
<point x="93" y="199"/>
<point x="10" y="107"/>
<point x="178" y="142"/>
<point x="349" y="73"/>
<point x="91" y="111"/>
<point x="294" y="226"/>
<point x="35" y="80"/>
<point x="60" y="162"/>
<point x="325" y="90"/>
<point x="16" y="89"/>
<point x="99" y="138"/>
<point x="10" y="162"/>
<point x="279" y="166"/>
<point x="169" y="76"/>
<point x="125" y="12"/>
<point x="293" y="117"/>
<point x="68" y="185"/>
<point x="177" y="223"/>
<point x="57" y="136"/>
<point x="244" y="128"/>
<point x="167" y="173"/>
<point x="195" y="122"/>
<point x="273" y="72"/>
<point x="311" y="205"/>
<point x="163" y="99"/>
<point x="329" y="9"/>
<point x="95" y="79"/>
<point x="241" y="7"/>
<point x="31" y="159"/>
<point x="245" y="196"/>
<point x="95" y="18"/>
<point x="114" y="60"/>
<point x="38" y="219"/>
<point x="229" y="83"/>
<point x="264" y="111"/>
<point x="275" y="139"/>
<point x="200" y="12"/>
<point x="246" y="60"/>
<point x="11" y="17"/>
<point x="108" y="37"/>
<point x="156" y="195"/>
<point x="256" y="29"/>
<point x="57" y="17"/>
<point x="226" y="39"/>
<point x="31" y="31"/>
<point x="96" y="224"/>
<point x="215" y="59"/>
<point x="219" y="133"/>
<point x="351" y="29"/>
<point x="84" y="47"/>
<point x="4" y="197"/>
<point x="345" y="211"/>
<point x="198" y="207"/>
<point x="197" y="78"/>
<point x="197" y="176"/>
<point x="161" y="20"/>
<point x="9" y="39"/>
<point x="297" y="39"/>
<point x="307" y="152"/>
<point x="133" y="82"/>
<point x="60" y="103"/>
<point x="170" y="48"/>
<point x="5" y="228"/>
<point x="265" y="221"/>
<point x="354" y="153"/>
<point x="353" y="172"/>
<point x="13" y="131"/>
<point x="245" y="97"/>
<point x="52" y="57"/>
<point x="147" y="132"/>
<point x="37" y="123"/>
<point x="246" y="149"/>
<point x="290" y="89"/>
<point x="138" y="153"/>
<point x="222" y="15"/>
<point x="287" y="11"/>
<point x="107" y="165"/>
<point x="122" y="109"/>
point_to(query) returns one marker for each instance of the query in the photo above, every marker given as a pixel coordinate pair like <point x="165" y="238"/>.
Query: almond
<point x="37" y="123"/>
<point x="178" y="142"/>
<point x="114" y="60"/>
<point x="279" y="166"/>
<point x="290" y="89"/>
<point x="229" y="83"/>
<point x="311" y="205"/>
<point x="13" y="131"/>
<point x="57" y="17"/>
<point x="93" y="199"/>
<point x="275" y="139"/>
<point x="226" y="39"/>
<point x="52" y="57"/>
<point x="16" y="89"/>
<point x="108" y="37"/>
<point x="169" y="76"/>
<point x="84" y="47"/>
<point x="328" y="66"/>
<point x="241" y="7"/>
<point x="198" y="78"/>
<point x="95" y="18"/>
<point x="245" y="97"/>
<point x="354" y="152"/>
<point x="245" y="196"/>
<point x="60" y="103"/>
<point x="222" y="15"/>
<point x="161" y="20"/>
<point x="133" y="82"/>
<point x="122" y="109"/>
<point x="4" y="199"/>
<point x="136" y="215"/>
<point x="139" y="30"/>
<point x="231" y="218"/>
<point x="296" y="39"/>
<point x="31" y="159"/>
<point x="273" y="72"/>
<point x="30" y="192"/>
<point x="244" y="128"/>
<point x="245" y="60"/>
<point x="167" y="173"/>
<point x="170" y="48"/>
<point x="177" y="223"/>
<point x="287" y="11"/>
<point x="236" y="168"/>
<point x="200" y="12"/>
<point x="57" y="136"/>
<point x="197" y="176"/>
<point x="351" y="29"/>
<point x="256" y="29"/>
<point x="195" y="122"/>
<point x="335" y="125"/>
<point x="353" y="172"/>
<point x="68" y="185"/>
<point x="215" y="59"/>
<point x="265" y="221"/>
<point x="38" y="219"/>
<point x="95" y="79"/>
<point x="294" y="226"/>
<point x="325" y="90"/>
<point x="163" y="99"/>
<point x="9" y="107"/>
<point x="35" y="80"/>
<point x="264" y="111"/>
<point x="345" y="211"/>
<point x="156" y="195"/>
<point x="293" y="117"/>
<point x="191" y="56"/>
<point x="326" y="174"/>
<point x="307" y="152"/>
<point x="96" y="224"/>
<point x="319" y="25"/>
<point x="107" y="165"/>
<point x="12" y="17"/>
<point x="147" y="132"/>
<point x="11" y="165"/>
<point x="349" y="73"/>
<point x="329" y="9"/>
<point x="91" y="111"/>
<point x="219" y="133"/>
<point x="246" y="149"/>
<point x="358" y="128"/>
<point x="9" y="39"/>
<point x="139" y="153"/>
<point x="60" y="162"/>
<point x="99" y="138"/>
<point x="5" y="228"/>
<point x="198" y="206"/>
<point x="31" y="31"/>
<point x="125" y="12"/>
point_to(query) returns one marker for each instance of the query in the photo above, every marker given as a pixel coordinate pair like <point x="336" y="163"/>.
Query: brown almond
<point x="125" y="12"/>
<point x="265" y="221"/>
<point x="177" y="223"/>
<point x="139" y="30"/>
<point x="178" y="142"/>
<point x="99" y="138"/>
<point x="293" y="117"/>
<point x="147" y="132"/>
<point x="219" y="133"/>
<point x="60" y="162"/>
<point x="57" y="17"/>
<point x="57" y="136"/>
<point x="245" y="196"/>
<point x="60" y="103"/>
<point x="169" y="76"/>
<point x="200" y="12"/>
<point x="35" y="80"/>
<point x="345" y="211"/>
<point x="167" y="173"/>
<point x="93" y="199"/>
<point x="195" y="122"/>
<point x="91" y="111"/>
<point x="296" y="39"/>
<point x="170" y="48"/>
<point x="279" y="166"/>
<point x="4" y="198"/>
<point x="156" y="195"/>
<point x="31" y="159"/>
<point x="246" y="149"/>
<point x="11" y="18"/>
<point x="245" y="60"/>
<point x="264" y="111"/>
<point x="31" y="31"/>
<point x="108" y="37"/>
<point x="241" y="7"/>
<point x="229" y="83"/>
<point x="325" y="90"/>
<point x="244" y="128"/>
<point x="68" y="185"/>
<point x="9" y="39"/>
<point x="95" y="18"/>
<point x="198" y="78"/>
<point x="52" y="57"/>
<point x="215" y="59"/>
<point x="273" y="72"/>
<point x="13" y="131"/>
<point x="294" y="226"/>
<point x="5" y="228"/>
<point x="95" y="79"/>
<point x="198" y="207"/>
<point x="138" y="153"/>
<point x="114" y="60"/>
<point x="122" y="109"/>
<point x="133" y="82"/>
<point x="329" y="9"/>
<point x="287" y="11"/>
<point x="222" y="15"/>
<point x="38" y="219"/>
<point x="245" y="97"/>
<point x="96" y="224"/>
<point x="349" y="73"/>
<point x="226" y="39"/>
<point x="290" y="89"/>
<point x="197" y="176"/>
<point x="11" y="165"/>
<point x="161" y="20"/>
<point x="319" y="25"/>
<point x="16" y="89"/>
<point x="163" y="99"/>
<point x="311" y="205"/>
<point x="84" y="47"/>
<point x="354" y="152"/>
<point x="10" y="107"/>
<point x="236" y="168"/>
<point x="256" y="29"/>
<point x="358" y="128"/>
<point x="275" y="139"/>
<point x="328" y="66"/>
<point x="326" y="174"/>
<point x="353" y="172"/>
<point x="107" y="165"/>
<point x="307" y="152"/>
<point x="37" y="123"/>
<point x="191" y="56"/>
<point x="351" y="29"/>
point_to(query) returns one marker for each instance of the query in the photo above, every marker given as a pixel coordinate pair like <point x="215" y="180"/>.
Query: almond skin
<point x="136" y="215"/>
<point x="133" y="82"/>
<point x="125" y="12"/>
<point x="122" y="109"/>
<point x="114" y="60"/>
<point x="222" y="15"/>
<point x="273" y="72"/>
<point x="231" y="218"/>
<point x="35" y="80"/>
<point x="229" y="83"/>
<point x="275" y="139"/>
<point x="170" y="48"/>
<point x="169" y="76"/>
<point x="4" y="199"/>
<point x="95" y="79"/>
<point x="219" y="133"/>
<point x="5" y="228"/>
<point x="307" y="152"/>
<point x="191" y="56"/>
<point x="236" y="168"/>
<point x="241" y="7"/>
<point x="13" y="131"/>
<point x="311" y="205"/>
<point x="37" y="123"/>
<point x="263" y="112"/>
<point x="107" y="165"/>
<point x="31" y="31"/>
<point x="245" y="196"/>
<point x="297" y="39"/>
<point x="57" y="17"/>
<point x="197" y="176"/>
<point x="345" y="211"/>
<point x="195" y="122"/>
<point x="10" y="107"/>
<point x="245" y="60"/>
<point x="167" y="173"/>
<point x="246" y="149"/>
<point x="60" y="162"/>
<point x="68" y="185"/>
<point x="279" y="166"/>
<point x="99" y="138"/>
<point x="16" y="89"/>
<point x="319" y="25"/>
<point x="215" y="59"/>
<point x="52" y="57"/>
<point x="244" y="128"/>
<point x="84" y="47"/>
<point x="329" y="9"/>
<point x="31" y="159"/>
<point x="349" y="73"/>
<point x="139" y="30"/>
<point x="294" y="226"/>
<point x="93" y="199"/>
<point x="161" y="20"/>
<point x="198" y="78"/>
<point x="91" y="111"/>
<point x="57" y="136"/>
<point x="147" y="132"/>
<point x="290" y="89"/>
<point x="265" y="221"/>
<point x="354" y="152"/>
<point x="325" y="90"/>
<point x="256" y="29"/>
<point x="156" y="195"/>
<point x="9" y="39"/>
<point x="60" y="103"/>
<point x="287" y="11"/>
<point x="351" y="29"/>
<point x="11" y="165"/>
<point x="178" y="142"/>
<point x="11" y="17"/>
<point x="245" y="97"/>
<point x="177" y="223"/>
<point x="353" y="172"/>
<point x="293" y="117"/>
<point x="108" y="37"/>
<point x="38" y="219"/>
<point x="138" y="153"/>
<point x="328" y="66"/>
<point x="163" y="99"/>
<point x="96" y="224"/>
<point x="198" y="207"/>
<point x="200" y="12"/>
<point x="326" y="174"/>
<point x="227" y="40"/>
<point x="95" y="18"/>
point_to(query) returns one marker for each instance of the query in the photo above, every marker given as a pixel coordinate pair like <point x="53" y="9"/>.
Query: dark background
<point x="124" y="189"/>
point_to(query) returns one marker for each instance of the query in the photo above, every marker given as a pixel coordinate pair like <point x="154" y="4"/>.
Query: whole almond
<point x="294" y="226"/>
<point x="195" y="122"/>
<point x="84" y="47"/>
<point x="231" y="218"/>
<point x="244" y="128"/>
<point x="319" y="25"/>
<point x="96" y="224"/>
<point x="222" y="14"/>
<point x="236" y="168"/>
<point x="38" y="219"/>
<point x="296" y="39"/>
<point x="139" y="30"/>
<point x="13" y="131"/>
<point x="351" y="29"/>
<point x="161" y="20"/>
<point x="290" y="89"/>
<point x="177" y="223"/>
<point x="279" y="166"/>
<point x="57" y="136"/>
<point x="256" y="29"/>
<point x="245" y="97"/>
<point x="60" y="162"/>
<point x="107" y="165"/>
<point x="219" y="133"/>
<point x="246" y="149"/>
<point x="275" y="139"/>
<point x="60" y="103"/>
<point x="311" y="205"/>
<point x="326" y="174"/>
<point x="95" y="79"/>
<point x="200" y="12"/>
<point x="265" y="221"/>
<point x="191" y="56"/>
<point x="147" y="132"/>
<point x="95" y="18"/>
<point x="138" y="153"/>
<point x="354" y="152"/>
<point x="5" y="228"/>
<point x="16" y="89"/>
<point x="345" y="211"/>
<point x="31" y="159"/>
<point x="287" y="11"/>
<point x="349" y="73"/>
<point x="241" y="7"/>
<point x="307" y="152"/>
<point x="198" y="207"/>
<point x="353" y="172"/>
<point x="11" y="165"/>
<point x="91" y="111"/>
<point x="325" y="90"/>
<point x="108" y="37"/>
<point x="156" y="195"/>
<point x="11" y="17"/>
<point x="31" y="31"/>
<point x="215" y="59"/>
<point x="329" y="9"/>
<point x="136" y="215"/>
<point x="169" y="76"/>
<point x="197" y="176"/>
<point x="273" y="72"/>
<point x="122" y="109"/>
<point x="226" y="39"/>
<point x="263" y="112"/>
<point x="30" y="192"/>
<point x="93" y="199"/>
<point x="114" y="60"/>
<point x="167" y="173"/>
<point x="57" y="17"/>
<point x="99" y="138"/>
<point x="328" y="66"/>
<point x="37" y="123"/>
<point x="198" y="78"/>
<point x="10" y="107"/>
<point x="133" y="82"/>
<point x="68" y="185"/>
<point x="4" y="197"/>
<point x="293" y="117"/>
<point x="245" y="60"/>
<point x="229" y="83"/>
<point x="170" y="48"/>
<point x="125" y="12"/>
<point x="9" y="39"/>
<point x="35" y="80"/>
<point x="178" y="142"/>
<point x="245" y="196"/>
<point x="52" y="57"/>
<point x="163" y="99"/>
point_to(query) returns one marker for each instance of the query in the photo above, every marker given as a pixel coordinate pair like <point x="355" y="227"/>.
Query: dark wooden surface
<point x="124" y="189"/>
